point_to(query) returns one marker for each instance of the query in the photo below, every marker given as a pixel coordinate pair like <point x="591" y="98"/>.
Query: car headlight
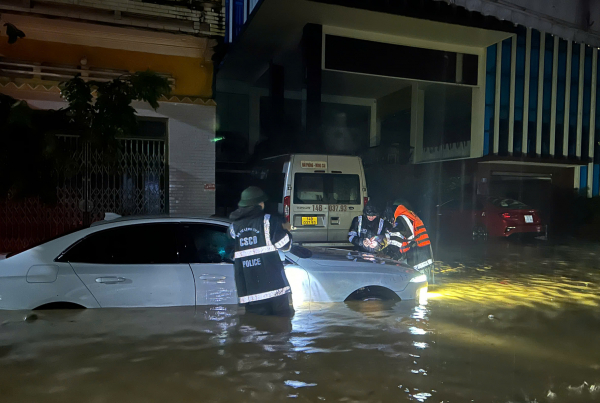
<point x="419" y="279"/>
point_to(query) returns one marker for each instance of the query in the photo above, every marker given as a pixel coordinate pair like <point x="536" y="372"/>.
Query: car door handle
<point x="110" y="280"/>
<point x="335" y="220"/>
<point x="212" y="278"/>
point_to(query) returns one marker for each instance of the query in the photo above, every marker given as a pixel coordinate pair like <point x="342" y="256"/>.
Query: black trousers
<point x="418" y="255"/>
<point x="276" y="306"/>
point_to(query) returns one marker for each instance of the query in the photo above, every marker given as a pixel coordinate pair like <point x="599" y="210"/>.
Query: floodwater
<point x="516" y="325"/>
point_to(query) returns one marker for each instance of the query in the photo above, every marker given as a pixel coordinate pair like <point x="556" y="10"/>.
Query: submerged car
<point x="488" y="217"/>
<point x="160" y="262"/>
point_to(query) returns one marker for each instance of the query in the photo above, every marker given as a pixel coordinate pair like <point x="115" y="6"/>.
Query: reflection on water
<point x="490" y="335"/>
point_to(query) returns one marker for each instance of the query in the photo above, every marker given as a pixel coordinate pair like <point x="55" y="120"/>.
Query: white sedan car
<point x="159" y="262"/>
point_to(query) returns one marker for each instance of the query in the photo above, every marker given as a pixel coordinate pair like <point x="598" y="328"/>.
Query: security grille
<point x="133" y="181"/>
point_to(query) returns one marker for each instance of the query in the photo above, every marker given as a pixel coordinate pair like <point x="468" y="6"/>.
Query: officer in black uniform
<point x="369" y="232"/>
<point x="259" y="276"/>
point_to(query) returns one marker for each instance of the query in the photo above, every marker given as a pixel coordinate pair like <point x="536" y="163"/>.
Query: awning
<point x="275" y="28"/>
<point x="532" y="161"/>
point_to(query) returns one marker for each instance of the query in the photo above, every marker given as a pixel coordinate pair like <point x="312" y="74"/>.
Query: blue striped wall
<point x="543" y="116"/>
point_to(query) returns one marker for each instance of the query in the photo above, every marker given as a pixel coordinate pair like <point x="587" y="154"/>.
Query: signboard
<point x="314" y="164"/>
<point x="209" y="187"/>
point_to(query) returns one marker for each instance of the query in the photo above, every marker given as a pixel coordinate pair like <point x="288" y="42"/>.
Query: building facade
<point x="480" y="96"/>
<point x="168" y="167"/>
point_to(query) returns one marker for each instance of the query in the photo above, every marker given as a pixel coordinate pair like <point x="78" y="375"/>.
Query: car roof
<point x="162" y="218"/>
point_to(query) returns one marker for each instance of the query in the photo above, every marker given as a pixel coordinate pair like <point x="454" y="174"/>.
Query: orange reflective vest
<point x="416" y="226"/>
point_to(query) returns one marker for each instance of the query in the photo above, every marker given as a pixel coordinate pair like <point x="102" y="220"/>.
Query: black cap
<point x="370" y="210"/>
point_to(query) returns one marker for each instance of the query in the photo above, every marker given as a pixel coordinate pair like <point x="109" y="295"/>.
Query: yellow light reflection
<point x="489" y="287"/>
<point x="423" y="296"/>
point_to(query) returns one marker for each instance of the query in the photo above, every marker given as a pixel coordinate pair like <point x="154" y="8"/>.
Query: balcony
<point x="26" y="72"/>
<point x="195" y="17"/>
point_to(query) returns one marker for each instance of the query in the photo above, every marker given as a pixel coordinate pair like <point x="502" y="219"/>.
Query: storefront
<point x="169" y="164"/>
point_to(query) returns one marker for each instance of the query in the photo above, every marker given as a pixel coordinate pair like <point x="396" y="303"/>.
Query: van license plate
<point x="337" y="208"/>
<point x="529" y="219"/>
<point x="309" y="221"/>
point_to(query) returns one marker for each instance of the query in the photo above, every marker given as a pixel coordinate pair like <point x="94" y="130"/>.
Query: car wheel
<point x="372" y="298"/>
<point x="480" y="234"/>
<point x="373" y="293"/>
<point x="59" y="305"/>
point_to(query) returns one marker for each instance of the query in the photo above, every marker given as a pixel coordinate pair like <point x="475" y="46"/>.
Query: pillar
<point x="276" y="97"/>
<point x="312" y="46"/>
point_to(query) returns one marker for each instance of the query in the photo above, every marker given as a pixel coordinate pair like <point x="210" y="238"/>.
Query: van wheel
<point x="480" y="234"/>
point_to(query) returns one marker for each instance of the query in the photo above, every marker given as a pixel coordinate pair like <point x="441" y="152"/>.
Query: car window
<point x="206" y="243"/>
<point x="131" y="244"/>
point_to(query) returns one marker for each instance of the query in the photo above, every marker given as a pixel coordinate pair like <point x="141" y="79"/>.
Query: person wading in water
<point x="259" y="275"/>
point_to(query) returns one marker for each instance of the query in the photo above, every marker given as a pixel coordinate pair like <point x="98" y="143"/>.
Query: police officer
<point x="396" y="248"/>
<point x="259" y="275"/>
<point x="369" y="232"/>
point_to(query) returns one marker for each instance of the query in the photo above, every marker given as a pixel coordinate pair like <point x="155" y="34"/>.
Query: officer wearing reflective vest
<point x="409" y="238"/>
<point x="369" y="232"/>
<point x="259" y="275"/>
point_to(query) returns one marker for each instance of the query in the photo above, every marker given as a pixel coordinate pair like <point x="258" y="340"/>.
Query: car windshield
<point x="508" y="203"/>
<point x="301" y="252"/>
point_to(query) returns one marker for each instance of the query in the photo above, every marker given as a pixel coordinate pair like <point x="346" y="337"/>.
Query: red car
<point x="488" y="217"/>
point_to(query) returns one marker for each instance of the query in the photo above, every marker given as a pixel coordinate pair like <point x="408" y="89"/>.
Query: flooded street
<point x="519" y="324"/>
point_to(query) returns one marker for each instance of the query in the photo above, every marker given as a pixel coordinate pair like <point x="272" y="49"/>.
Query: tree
<point x="98" y="112"/>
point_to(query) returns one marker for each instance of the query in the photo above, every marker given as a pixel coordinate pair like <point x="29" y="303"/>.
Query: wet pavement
<point x="507" y="323"/>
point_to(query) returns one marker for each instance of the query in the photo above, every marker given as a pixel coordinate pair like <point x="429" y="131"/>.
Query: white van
<point x="318" y="194"/>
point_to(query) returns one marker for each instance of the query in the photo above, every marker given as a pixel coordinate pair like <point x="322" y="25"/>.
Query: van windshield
<point x="311" y="188"/>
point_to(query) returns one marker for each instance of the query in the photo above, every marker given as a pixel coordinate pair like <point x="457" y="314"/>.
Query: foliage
<point x="13" y="33"/>
<point x="111" y="115"/>
<point x="99" y="112"/>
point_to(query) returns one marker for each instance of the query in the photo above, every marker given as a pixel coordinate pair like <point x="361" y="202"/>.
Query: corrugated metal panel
<point x="508" y="11"/>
